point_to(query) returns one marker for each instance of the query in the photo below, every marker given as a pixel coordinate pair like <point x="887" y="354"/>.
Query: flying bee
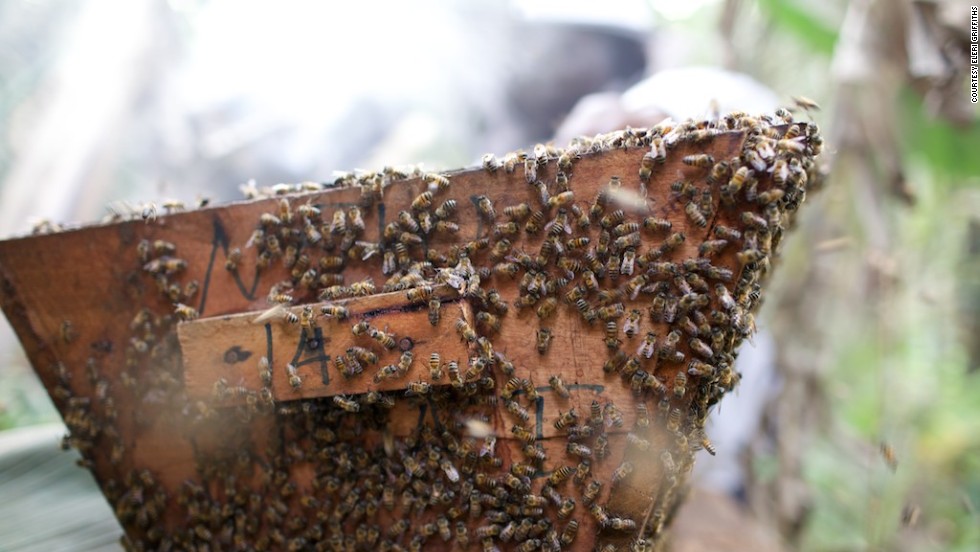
<point x="625" y="469"/>
<point x="701" y="160"/>
<point x="558" y="386"/>
<point x="338" y="312"/>
<point x="805" y="103"/>
<point x="695" y="215"/>
<point x="888" y="455"/>
<point x="543" y="340"/>
<point x="566" y="419"/>
<point x="649" y="346"/>
<point x="547" y="307"/>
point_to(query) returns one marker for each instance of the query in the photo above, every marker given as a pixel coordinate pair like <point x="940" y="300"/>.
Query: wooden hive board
<point x="282" y="466"/>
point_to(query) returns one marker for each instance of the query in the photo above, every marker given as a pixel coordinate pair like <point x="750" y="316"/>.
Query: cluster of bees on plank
<point x="670" y="325"/>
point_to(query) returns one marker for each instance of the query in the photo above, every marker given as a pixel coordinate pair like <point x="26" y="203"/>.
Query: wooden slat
<point x="230" y="347"/>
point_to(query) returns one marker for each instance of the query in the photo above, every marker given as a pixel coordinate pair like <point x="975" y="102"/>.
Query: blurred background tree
<point x="864" y="426"/>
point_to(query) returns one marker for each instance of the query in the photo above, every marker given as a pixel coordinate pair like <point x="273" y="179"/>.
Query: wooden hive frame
<point x="197" y="446"/>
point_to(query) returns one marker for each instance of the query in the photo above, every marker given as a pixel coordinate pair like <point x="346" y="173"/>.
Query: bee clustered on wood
<point x="668" y="289"/>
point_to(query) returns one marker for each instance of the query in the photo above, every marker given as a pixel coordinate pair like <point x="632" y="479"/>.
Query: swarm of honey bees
<point x="668" y="289"/>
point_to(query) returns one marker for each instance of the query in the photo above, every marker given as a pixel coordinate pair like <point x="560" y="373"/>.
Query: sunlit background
<point x="868" y="336"/>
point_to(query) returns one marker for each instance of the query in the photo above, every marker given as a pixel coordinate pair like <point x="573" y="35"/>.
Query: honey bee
<point x="295" y="381"/>
<point x="632" y="323"/>
<point x="888" y="455"/>
<point x="674" y="420"/>
<point x="649" y="346"/>
<point x="577" y="449"/>
<point x="629" y="259"/>
<point x="613" y="219"/>
<point x="615" y="362"/>
<point x="591" y="492"/>
<point x="719" y="173"/>
<point x="534" y="223"/>
<point x="561" y="199"/>
<point x="522" y="433"/>
<point x="361" y="328"/>
<point x="530" y="169"/>
<point x="543" y="340"/>
<point x="389" y="371"/>
<point x="701" y="348"/>
<point x="185" y="312"/>
<point x="547" y="307"/>
<point x="465" y="331"/>
<point x="614" y="414"/>
<point x="558" y="386"/>
<point x="418" y="388"/>
<point x="517" y="410"/>
<point x="485" y="207"/>
<point x="700" y="160"/>
<point x="446" y="210"/>
<point x="348" y="405"/>
<point x="624" y="470"/>
<point x="559" y="475"/>
<point x="566" y="419"/>
<point x="384" y="339"/>
<point x="642" y="415"/>
<point x="770" y="196"/>
<point x="340" y="313"/>
<point x="695" y="215"/>
<point x="621" y="524"/>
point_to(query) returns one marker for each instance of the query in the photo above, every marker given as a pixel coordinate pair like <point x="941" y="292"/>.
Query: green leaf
<point x="806" y="26"/>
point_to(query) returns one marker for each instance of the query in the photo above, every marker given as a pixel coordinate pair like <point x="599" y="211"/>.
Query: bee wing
<point x="275" y="312"/>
